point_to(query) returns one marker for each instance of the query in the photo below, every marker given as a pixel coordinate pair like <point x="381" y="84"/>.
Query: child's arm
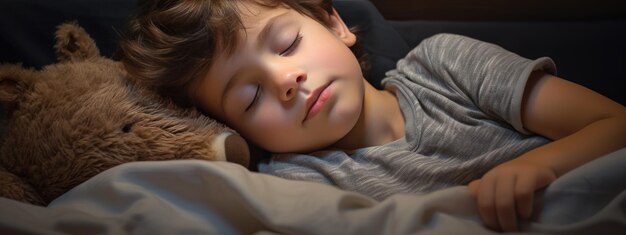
<point x="583" y="124"/>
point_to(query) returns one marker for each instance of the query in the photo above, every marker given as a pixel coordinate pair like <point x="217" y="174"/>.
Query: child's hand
<point x="507" y="191"/>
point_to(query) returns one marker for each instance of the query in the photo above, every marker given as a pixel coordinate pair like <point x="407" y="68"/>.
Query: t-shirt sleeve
<point x="490" y="77"/>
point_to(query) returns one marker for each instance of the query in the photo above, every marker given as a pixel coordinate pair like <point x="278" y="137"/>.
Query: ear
<point x="74" y="44"/>
<point x="14" y="81"/>
<point x="340" y="29"/>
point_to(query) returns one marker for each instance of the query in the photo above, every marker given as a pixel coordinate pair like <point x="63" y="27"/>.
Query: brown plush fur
<point x="81" y="116"/>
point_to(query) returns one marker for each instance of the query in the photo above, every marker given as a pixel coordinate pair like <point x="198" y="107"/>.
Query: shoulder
<point x="444" y="40"/>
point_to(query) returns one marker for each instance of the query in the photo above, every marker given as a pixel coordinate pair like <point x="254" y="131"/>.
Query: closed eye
<point x="293" y="46"/>
<point x="256" y="97"/>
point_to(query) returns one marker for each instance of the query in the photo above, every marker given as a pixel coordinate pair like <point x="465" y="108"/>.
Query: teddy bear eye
<point x="126" y="128"/>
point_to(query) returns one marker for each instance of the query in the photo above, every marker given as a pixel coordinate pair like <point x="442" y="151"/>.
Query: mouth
<point x="316" y="101"/>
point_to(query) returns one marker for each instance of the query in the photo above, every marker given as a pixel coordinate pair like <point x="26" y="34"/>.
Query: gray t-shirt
<point x="461" y="99"/>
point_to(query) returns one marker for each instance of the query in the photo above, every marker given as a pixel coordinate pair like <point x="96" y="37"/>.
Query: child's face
<point x="300" y="89"/>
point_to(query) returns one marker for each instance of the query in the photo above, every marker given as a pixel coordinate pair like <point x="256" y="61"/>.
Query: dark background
<point x="585" y="38"/>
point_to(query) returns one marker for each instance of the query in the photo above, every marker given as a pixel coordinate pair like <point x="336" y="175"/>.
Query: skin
<point x="583" y="124"/>
<point x="287" y="71"/>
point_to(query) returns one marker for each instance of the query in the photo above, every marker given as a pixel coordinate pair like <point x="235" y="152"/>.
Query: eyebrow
<point x="261" y="38"/>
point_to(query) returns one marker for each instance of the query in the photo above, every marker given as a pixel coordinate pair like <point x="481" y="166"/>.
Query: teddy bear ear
<point x="14" y="81"/>
<point x="74" y="44"/>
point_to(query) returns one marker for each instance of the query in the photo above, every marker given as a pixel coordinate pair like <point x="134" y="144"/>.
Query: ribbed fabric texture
<point x="461" y="99"/>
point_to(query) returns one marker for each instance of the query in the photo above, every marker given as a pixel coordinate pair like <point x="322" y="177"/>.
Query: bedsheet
<point x="199" y="197"/>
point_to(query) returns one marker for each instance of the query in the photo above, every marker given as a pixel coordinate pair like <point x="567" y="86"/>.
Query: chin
<point x="346" y="113"/>
<point x="343" y="120"/>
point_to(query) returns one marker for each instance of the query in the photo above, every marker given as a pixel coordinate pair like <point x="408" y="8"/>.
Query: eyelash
<point x="256" y="97"/>
<point x="293" y="45"/>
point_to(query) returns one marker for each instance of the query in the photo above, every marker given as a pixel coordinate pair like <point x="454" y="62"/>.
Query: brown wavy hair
<point x="171" y="43"/>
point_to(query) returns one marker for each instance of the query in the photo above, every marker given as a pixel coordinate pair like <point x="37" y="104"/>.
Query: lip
<point x="315" y="102"/>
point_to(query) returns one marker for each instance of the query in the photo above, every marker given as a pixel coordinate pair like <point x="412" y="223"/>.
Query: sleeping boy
<point x="455" y="111"/>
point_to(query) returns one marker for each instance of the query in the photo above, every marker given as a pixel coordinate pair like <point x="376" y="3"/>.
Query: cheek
<point x="276" y="130"/>
<point x="330" y="51"/>
<point x="269" y="125"/>
<point x="328" y="57"/>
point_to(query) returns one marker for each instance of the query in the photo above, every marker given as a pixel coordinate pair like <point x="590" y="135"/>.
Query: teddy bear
<point x="71" y="120"/>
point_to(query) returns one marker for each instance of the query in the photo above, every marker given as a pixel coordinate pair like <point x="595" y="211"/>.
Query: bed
<point x="199" y="197"/>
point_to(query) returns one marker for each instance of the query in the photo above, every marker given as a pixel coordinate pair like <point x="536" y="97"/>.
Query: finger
<point x="505" y="203"/>
<point x="485" y="201"/>
<point x="524" y="194"/>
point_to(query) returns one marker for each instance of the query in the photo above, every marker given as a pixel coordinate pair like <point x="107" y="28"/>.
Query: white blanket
<point x="199" y="197"/>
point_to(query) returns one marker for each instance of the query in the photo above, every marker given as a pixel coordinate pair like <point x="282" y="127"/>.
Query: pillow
<point x="383" y="44"/>
<point x="28" y="26"/>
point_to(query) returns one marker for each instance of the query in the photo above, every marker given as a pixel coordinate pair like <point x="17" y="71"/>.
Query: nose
<point x="289" y="82"/>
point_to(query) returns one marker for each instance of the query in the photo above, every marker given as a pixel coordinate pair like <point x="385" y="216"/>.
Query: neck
<point x="381" y="121"/>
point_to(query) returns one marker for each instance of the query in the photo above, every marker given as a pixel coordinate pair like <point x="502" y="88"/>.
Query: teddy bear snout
<point x="236" y="150"/>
